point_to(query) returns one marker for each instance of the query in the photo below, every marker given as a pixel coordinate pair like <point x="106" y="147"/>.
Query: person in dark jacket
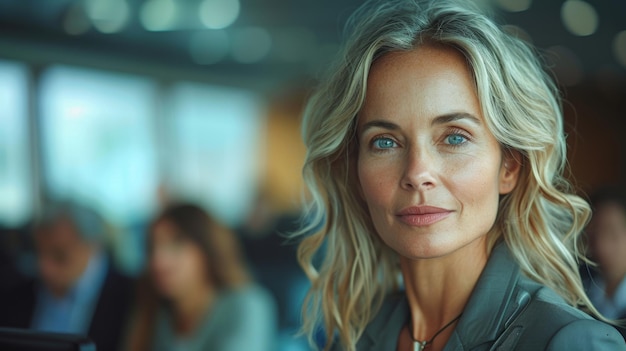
<point x="77" y="289"/>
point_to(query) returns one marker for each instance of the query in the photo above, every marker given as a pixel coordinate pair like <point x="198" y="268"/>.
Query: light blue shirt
<point x="242" y="319"/>
<point x="72" y="312"/>
<point x="610" y="307"/>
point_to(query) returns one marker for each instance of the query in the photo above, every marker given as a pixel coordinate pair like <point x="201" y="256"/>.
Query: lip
<point x="422" y="216"/>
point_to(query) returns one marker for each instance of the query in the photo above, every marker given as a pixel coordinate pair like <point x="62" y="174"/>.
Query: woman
<point x="197" y="293"/>
<point x="435" y="153"/>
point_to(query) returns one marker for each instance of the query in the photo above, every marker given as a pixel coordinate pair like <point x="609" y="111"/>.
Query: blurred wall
<point x="595" y="118"/>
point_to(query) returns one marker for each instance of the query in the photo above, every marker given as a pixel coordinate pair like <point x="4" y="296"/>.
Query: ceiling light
<point x="251" y="44"/>
<point x="219" y="14"/>
<point x="579" y="17"/>
<point x="209" y="46"/>
<point x="108" y="16"/>
<point x="619" y="47"/>
<point x="514" y="5"/>
<point x="158" y="15"/>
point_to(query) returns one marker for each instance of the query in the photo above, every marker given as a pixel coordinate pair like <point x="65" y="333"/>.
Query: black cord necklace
<point x="421" y="345"/>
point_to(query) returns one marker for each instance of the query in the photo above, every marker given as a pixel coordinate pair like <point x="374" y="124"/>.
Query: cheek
<point x="160" y="264"/>
<point x="475" y="181"/>
<point x="475" y="188"/>
<point x="612" y="246"/>
<point x="191" y="265"/>
<point x="48" y="268"/>
<point x="377" y="182"/>
<point x="182" y="268"/>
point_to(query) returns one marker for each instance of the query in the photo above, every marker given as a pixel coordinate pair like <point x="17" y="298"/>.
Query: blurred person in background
<point x="197" y="293"/>
<point x="77" y="290"/>
<point x="606" y="235"/>
<point x="273" y="262"/>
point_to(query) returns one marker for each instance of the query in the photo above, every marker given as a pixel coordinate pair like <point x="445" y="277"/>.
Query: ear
<point x="509" y="171"/>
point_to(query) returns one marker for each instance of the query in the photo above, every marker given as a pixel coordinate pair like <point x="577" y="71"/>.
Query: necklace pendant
<point x="419" y="345"/>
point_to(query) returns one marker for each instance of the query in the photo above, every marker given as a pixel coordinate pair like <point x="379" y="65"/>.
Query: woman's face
<point x="430" y="170"/>
<point x="177" y="265"/>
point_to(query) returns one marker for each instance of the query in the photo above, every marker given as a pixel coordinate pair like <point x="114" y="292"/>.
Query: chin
<point x="424" y="253"/>
<point x="429" y="246"/>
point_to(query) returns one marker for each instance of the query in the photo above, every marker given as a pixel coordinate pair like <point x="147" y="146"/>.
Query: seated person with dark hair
<point x="78" y="290"/>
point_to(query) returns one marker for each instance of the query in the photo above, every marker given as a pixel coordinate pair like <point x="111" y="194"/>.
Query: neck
<point x="437" y="289"/>
<point x="188" y="310"/>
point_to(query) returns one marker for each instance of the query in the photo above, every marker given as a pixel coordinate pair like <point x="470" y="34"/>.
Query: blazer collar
<point x="490" y="305"/>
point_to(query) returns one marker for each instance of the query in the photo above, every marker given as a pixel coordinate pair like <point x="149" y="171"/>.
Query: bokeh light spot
<point x="209" y="46"/>
<point x="108" y="16"/>
<point x="251" y="44"/>
<point x="619" y="47"/>
<point x="219" y="14"/>
<point x="514" y="5"/>
<point x="158" y="15"/>
<point x="579" y="17"/>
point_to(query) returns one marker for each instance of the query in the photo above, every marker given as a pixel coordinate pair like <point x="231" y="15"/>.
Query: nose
<point x="419" y="171"/>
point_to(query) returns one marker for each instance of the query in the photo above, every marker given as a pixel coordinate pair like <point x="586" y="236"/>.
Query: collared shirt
<point x="72" y="312"/>
<point x="610" y="307"/>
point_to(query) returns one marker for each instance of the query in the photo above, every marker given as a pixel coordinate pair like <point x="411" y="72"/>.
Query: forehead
<point x="165" y="228"/>
<point x="59" y="231"/>
<point x="430" y="80"/>
<point x="429" y="55"/>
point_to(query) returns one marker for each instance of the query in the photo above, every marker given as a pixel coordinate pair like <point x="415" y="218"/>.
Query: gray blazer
<point x="506" y="311"/>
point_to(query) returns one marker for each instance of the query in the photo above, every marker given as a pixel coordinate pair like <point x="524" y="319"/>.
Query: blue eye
<point x="384" y="143"/>
<point x="455" y="139"/>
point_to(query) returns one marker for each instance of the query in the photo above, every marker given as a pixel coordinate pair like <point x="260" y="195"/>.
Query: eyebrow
<point x="443" y="119"/>
<point x="380" y="124"/>
<point x="452" y="117"/>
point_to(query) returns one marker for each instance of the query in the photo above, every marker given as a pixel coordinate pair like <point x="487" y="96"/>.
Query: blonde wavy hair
<point x="540" y="220"/>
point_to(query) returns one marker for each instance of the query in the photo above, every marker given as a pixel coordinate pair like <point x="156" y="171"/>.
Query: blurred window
<point x="98" y="141"/>
<point x="215" y="153"/>
<point x="15" y="171"/>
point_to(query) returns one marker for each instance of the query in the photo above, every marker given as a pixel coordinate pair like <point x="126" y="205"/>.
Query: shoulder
<point x="162" y="336"/>
<point x="251" y="293"/>
<point x="242" y="319"/>
<point x="546" y="303"/>
<point x="587" y="334"/>
<point x="247" y="300"/>
<point x="548" y="322"/>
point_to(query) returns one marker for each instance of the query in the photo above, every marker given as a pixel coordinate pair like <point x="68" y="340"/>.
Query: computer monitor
<point x="12" y="339"/>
